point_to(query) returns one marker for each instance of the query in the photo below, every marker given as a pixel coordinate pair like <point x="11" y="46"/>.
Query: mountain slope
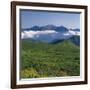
<point x="75" y="39"/>
<point x="49" y="60"/>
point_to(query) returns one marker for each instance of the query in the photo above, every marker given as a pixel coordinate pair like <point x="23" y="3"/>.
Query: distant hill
<point x="35" y="28"/>
<point x="61" y="29"/>
<point x="48" y="27"/>
<point x="51" y="34"/>
<point x="75" y="40"/>
<point x="75" y="29"/>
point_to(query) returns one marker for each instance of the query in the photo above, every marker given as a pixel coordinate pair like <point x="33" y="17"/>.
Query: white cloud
<point x="74" y="32"/>
<point x="48" y="35"/>
<point x="32" y="34"/>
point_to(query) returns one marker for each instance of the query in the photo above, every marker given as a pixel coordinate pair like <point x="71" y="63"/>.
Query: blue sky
<point x="30" y="18"/>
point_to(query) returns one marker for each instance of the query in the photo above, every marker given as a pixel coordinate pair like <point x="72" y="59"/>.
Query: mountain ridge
<point x="48" y="27"/>
<point x="52" y="34"/>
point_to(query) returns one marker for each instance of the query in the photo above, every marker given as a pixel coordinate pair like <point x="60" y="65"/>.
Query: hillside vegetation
<point x="49" y="60"/>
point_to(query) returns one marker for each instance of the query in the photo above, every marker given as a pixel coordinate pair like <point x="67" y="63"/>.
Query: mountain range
<point x="51" y="34"/>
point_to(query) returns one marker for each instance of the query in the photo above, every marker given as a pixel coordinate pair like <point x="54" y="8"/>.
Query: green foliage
<point x="49" y="60"/>
<point x="29" y="73"/>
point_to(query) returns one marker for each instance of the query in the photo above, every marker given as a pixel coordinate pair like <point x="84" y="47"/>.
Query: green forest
<point x="49" y="60"/>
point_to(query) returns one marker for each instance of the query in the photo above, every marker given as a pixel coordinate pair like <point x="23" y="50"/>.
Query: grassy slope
<point x="49" y="60"/>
